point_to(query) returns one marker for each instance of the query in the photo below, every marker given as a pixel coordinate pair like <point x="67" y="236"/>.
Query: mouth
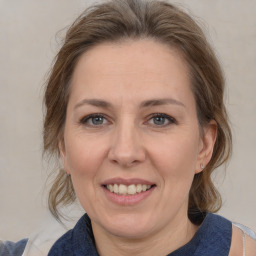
<point x="126" y="190"/>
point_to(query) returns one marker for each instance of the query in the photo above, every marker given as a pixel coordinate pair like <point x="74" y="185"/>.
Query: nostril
<point x="126" y="150"/>
<point x="124" y="159"/>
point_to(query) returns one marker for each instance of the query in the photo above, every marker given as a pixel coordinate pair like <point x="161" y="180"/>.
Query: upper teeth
<point x="130" y="190"/>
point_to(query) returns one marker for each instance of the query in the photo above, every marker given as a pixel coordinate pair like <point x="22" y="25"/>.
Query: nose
<point x="127" y="147"/>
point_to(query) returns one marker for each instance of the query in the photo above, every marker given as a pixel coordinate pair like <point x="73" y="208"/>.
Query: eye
<point x="160" y="119"/>
<point x="94" y="120"/>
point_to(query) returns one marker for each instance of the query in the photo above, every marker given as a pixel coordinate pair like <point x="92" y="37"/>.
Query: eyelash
<point x="170" y="119"/>
<point x="85" y="120"/>
<point x="162" y="115"/>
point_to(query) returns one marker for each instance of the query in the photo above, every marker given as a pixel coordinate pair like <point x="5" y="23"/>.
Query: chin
<point x="131" y="232"/>
<point x="130" y="227"/>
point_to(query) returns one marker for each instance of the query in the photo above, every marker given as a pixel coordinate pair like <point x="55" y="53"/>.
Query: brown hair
<point x="117" y="20"/>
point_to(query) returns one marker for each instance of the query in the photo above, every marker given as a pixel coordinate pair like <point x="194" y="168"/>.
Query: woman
<point x="134" y="108"/>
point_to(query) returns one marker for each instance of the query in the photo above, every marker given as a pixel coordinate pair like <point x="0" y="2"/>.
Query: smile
<point x="121" y="189"/>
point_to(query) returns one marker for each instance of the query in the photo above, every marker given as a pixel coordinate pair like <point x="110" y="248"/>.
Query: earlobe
<point x="207" y="146"/>
<point x="61" y="146"/>
<point x="62" y="151"/>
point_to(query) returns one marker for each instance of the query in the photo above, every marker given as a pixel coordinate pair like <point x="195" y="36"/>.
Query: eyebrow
<point x="144" y="104"/>
<point x="93" y="102"/>
<point x="159" y="102"/>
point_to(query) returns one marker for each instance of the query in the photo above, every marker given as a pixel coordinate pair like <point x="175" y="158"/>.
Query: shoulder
<point x="238" y="239"/>
<point x="246" y="230"/>
<point x="243" y="241"/>
<point x="11" y="248"/>
<point x="250" y="246"/>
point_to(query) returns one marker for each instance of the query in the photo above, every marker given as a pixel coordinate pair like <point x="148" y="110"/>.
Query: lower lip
<point x="128" y="200"/>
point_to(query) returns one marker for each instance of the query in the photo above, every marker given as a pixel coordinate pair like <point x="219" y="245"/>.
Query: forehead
<point x="141" y="67"/>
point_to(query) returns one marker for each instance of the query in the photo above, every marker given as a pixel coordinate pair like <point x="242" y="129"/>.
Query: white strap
<point x="243" y="243"/>
<point x="249" y="232"/>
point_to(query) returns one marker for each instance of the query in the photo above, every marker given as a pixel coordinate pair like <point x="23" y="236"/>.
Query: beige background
<point x="28" y="43"/>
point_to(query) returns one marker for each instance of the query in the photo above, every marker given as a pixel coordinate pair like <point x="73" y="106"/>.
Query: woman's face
<point x="131" y="138"/>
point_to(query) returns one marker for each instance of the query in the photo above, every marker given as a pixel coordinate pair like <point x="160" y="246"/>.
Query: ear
<point x="62" y="150"/>
<point x="206" y="145"/>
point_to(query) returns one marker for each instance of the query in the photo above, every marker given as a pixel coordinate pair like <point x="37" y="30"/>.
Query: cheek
<point x="84" y="158"/>
<point x="175" y="158"/>
<point x="83" y="155"/>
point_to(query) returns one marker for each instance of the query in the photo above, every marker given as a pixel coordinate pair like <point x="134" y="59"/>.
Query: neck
<point x="163" y="242"/>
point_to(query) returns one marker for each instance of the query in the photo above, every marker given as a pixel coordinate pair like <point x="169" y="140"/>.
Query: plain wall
<point x="28" y="43"/>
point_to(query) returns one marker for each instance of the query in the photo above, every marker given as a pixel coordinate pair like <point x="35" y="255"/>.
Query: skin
<point x="129" y="143"/>
<point x="237" y="244"/>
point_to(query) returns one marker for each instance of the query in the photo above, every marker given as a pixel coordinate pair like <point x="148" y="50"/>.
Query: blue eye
<point x="161" y="120"/>
<point x="94" y="120"/>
